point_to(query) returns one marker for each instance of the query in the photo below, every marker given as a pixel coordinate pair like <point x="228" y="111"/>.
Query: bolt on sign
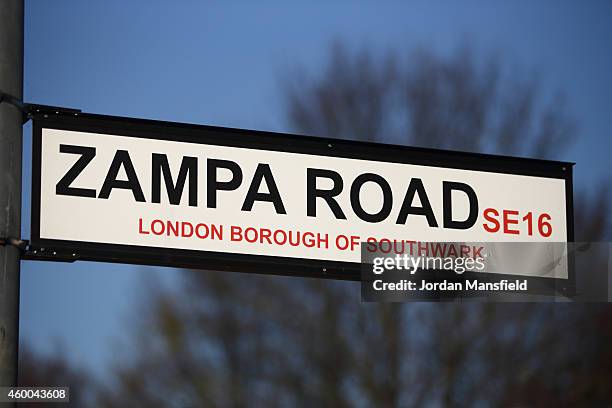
<point x="137" y="191"/>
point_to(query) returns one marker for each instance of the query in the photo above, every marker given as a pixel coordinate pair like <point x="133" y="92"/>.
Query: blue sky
<point x="221" y="64"/>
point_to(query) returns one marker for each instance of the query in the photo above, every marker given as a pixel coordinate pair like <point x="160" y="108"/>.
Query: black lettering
<point x="213" y="185"/>
<point x="312" y="192"/>
<point x="122" y="159"/>
<point x="189" y="167"/>
<point x="416" y="188"/>
<point x="262" y="173"/>
<point x="387" y="197"/>
<point x="447" y="189"/>
<point x="63" y="186"/>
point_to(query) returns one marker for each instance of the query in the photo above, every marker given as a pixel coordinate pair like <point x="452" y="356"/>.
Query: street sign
<point x="149" y="192"/>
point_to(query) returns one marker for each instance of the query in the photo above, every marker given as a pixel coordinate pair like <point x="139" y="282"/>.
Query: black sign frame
<point x="62" y="250"/>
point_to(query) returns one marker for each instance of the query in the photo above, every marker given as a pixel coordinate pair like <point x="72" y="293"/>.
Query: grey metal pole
<point x="11" y="82"/>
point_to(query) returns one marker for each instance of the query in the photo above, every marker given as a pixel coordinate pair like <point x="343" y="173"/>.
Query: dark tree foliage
<point x="41" y="370"/>
<point x="245" y="340"/>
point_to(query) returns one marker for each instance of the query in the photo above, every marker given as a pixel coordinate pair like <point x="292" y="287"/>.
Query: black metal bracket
<point x="28" y="110"/>
<point x="11" y="100"/>
<point x="21" y="244"/>
<point x="32" y="109"/>
<point x="48" y="254"/>
<point x="41" y="254"/>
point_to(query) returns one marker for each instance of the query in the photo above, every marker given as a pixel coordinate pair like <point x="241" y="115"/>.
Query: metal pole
<point x="11" y="82"/>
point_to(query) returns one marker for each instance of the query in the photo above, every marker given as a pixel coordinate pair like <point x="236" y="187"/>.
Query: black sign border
<point x="62" y="250"/>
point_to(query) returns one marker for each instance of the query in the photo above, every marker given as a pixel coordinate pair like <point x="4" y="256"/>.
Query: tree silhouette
<point x="246" y="340"/>
<point x="36" y="369"/>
